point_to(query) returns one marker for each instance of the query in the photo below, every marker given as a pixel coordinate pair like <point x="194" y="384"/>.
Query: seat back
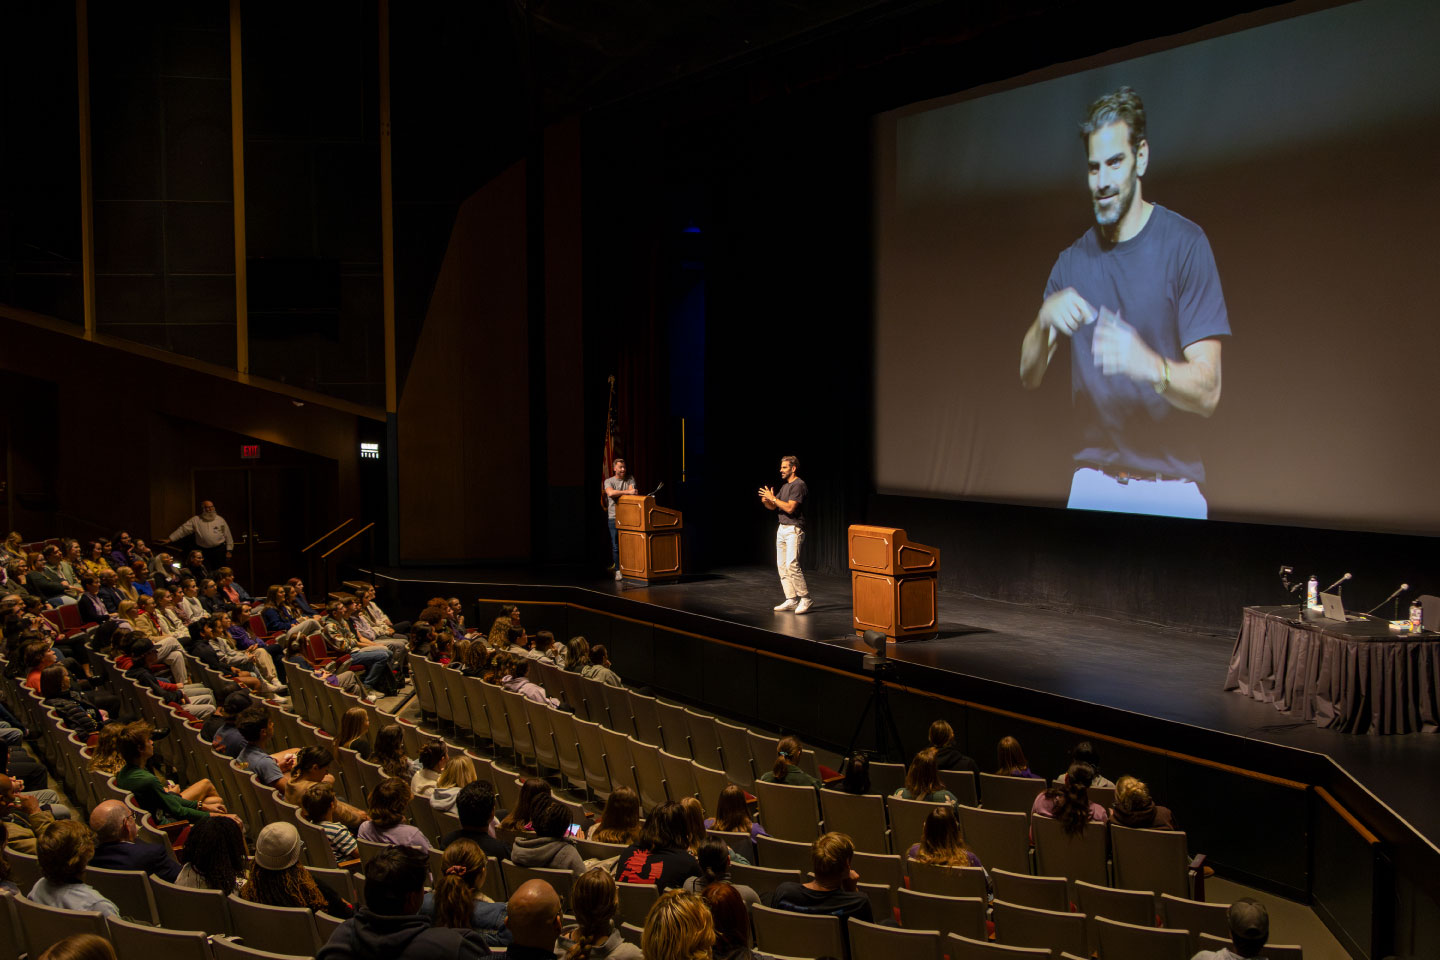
<point x="790" y="813"/>
<point x="137" y="941"/>
<point x="224" y="949"/>
<point x="1029" y="927"/>
<point x="740" y="842"/>
<point x="592" y="756"/>
<point x="1151" y="860"/>
<point x="24" y="869"/>
<point x="189" y="908"/>
<point x="679" y="775"/>
<point x="735" y="749"/>
<point x="617" y="705"/>
<point x="1192" y="915"/>
<point x="963" y="948"/>
<point x="561" y="880"/>
<point x="999" y="838"/>
<point x="1016" y="794"/>
<point x="636" y="899"/>
<point x="886" y="778"/>
<point x="521" y="736"/>
<point x="1127" y="906"/>
<point x="499" y="718"/>
<point x="618" y="763"/>
<point x="1128" y="941"/>
<point x="780" y="854"/>
<point x="861" y="818"/>
<point x="704" y="739"/>
<point x="567" y="747"/>
<point x="907" y="821"/>
<point x="277" y="929"/>
<point x="870" y="941"/>
<point x="797" y="934"/>
<point x="886" y="869"/>
<point x="1043" y="893"/>
<point x="963" y="784"/>
<point x="763" y="880"/>
<point x="649" y="775"/>
<point x="1076" y="857"/>
<point x="946" y="881"/>
<point x="543" y="737"/>
<point x="646" y="714"/>
<point x="929" y="911"/>
<point x="674" y="728"/>
<point x="129" y="890"/>
<point x="43" y="926"/>
<point x="712" y="783"/>
<point x="479" y="723"/>
<point x="1209" y="941"/>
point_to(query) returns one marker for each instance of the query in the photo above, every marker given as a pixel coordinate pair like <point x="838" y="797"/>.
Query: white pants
<point x="1092" y="490"/>
<point x="788" y="538"/>
<point x="170" y="653"/>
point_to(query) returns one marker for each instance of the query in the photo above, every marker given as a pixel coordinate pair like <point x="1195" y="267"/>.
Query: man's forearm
<point x="1194" y="387"/>
<point x="1035" y="352"/>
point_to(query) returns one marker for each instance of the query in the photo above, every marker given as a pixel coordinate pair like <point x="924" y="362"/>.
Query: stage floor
<point x="1151" y="671"/>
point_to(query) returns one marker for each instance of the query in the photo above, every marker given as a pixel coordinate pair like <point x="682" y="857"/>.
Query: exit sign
<point x="250" y="451"/>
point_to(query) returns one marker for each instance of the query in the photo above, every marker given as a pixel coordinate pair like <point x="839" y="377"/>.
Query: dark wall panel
<point x="1344" y="873"/>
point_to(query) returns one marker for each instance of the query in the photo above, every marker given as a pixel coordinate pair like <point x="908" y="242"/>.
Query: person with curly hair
<point x="1069" y="801"/>
<point x="277" y="878"/>
<point x="214" y="856"/>
<point x="389" y="802"/>
<point x="595" y="900"/>
<point x="64" y="848"/>
<point x="1134" y="807"/>
<point x="678" y="927"/>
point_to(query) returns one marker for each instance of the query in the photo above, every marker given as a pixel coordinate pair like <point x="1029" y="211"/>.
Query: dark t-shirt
<point x="839" y="903"/>
<point x="1162" y="282"/>
<point x="495" y="849"/>
<point x="662" y="866"/>
<point x="797" y="491"/>
<point x="949" y="758"/>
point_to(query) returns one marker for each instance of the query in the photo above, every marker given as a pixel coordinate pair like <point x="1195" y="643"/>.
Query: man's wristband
<point x="1163" y="383"/>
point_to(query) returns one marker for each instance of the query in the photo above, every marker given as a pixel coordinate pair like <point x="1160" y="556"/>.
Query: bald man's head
<point x="110" y="821"/>
<point x="533" y="915"/>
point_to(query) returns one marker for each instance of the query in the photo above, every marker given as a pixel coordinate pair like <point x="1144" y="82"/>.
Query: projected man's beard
<point x="1111" y="213"/>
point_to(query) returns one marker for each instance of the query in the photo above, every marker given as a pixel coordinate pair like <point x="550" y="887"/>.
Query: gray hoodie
<point x="547" y="853"/>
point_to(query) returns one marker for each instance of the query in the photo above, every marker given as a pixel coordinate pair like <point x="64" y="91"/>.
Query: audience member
<point x="277" y="878"/>
<point x="390" y="753"/>
<point x="75" y="712"/>
<point x="661" y="855"/>
<point x="533" y="918"/>
<point x="1135" y="808"/>
<point x="1249" y="930"/>
<point x="215" y="857"/>
<point x="1010" y="760"/>
<point x="551" y="848"/>
<point x="64" y="848"/>
<point x="941" y="842"/>
<point x="833" y="888"/>
<point x="620" y="820"/>
<point x="518" y="819"/>
<point x="517" y="680"/>
<point x="922" y="780"/>
<point x="855" y="777"/>
<point x="730" y="912"/>
<point x="79" y="946"/>
<point x="389" y="801"/>
<point x="115" y="846"/>
<point x="1069" y="801"/>
<point x="595" y="901"/>
<point x="456" y="900"/>
<point x="255" y="725"/>
<point x="786" y="769"/>
<point x="353" y="727"/>
<point x="167" y="802"/>
<point x="389" y="925"/>
<point x="433" y="760"/>
<point x="732" y="814"/>
<point x="318" y="804"/>
<point x="312" y="768"/>
<point x="678" y="927"/>
<point x="713" y="857"/>
<point x="599" y="667"/>
<point x="475" y="806"/>
<point x="1085" y="752"/>
<point x="947" y="752"/>
<point x="457" y="773"/>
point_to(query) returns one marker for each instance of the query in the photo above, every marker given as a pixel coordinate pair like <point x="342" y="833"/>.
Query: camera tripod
<point x="887" y="737"/>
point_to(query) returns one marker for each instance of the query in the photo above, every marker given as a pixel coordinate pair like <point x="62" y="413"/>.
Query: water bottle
<point x="1416" y="612"/>
<point x="1312" y="592"/>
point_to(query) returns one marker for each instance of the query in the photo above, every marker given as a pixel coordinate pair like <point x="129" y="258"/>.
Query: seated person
<point x="475" y="806"/>
<point x="595" y="903"/>
<point x="1135" y="808"/>
<point x="786" y="769"/>
<point x="116" y="849"/>
<point x="599" y="667"/>
<point x="661" y="855"/>
<point x="457" y="901"/>
<point x="255" y="725"/>
<point x="1010" y="760"/>
<point x="76" y="713"/>
<point x="64" y="848"/>
<point x="714" y="859"/>
<point x="433" y="759"/>
<point x="922" y="780"/>
<point x="1085" y="752"/>
<point x="1249" y="929"/>
<point x="550" y="848"/>
<point x="947" y="753"/>
<point x="517" y="680"/>
<point x="318" y="803"/>
<point x="1069" y="801"/>
<point x="277" y="878"/>
<point x="168" y="803"/>
<point x="312" y="768"/>
<point x="834" y="887"/>
<point x="533" y="917"/>
<point x="388" y="803"/>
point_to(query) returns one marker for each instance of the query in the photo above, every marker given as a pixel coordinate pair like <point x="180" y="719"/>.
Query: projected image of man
<point x="1139" y="299"/>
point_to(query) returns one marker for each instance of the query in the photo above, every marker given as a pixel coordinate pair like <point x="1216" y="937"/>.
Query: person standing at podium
<point x="615" y="487"/>
<point x="789" y="502"/>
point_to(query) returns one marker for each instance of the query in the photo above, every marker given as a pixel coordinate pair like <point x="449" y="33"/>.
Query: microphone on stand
<point x="1331" y="588"/>
<point x="657" y="489"/>
<point x="1285" y="572"/>
<point x="1403" y="588"/>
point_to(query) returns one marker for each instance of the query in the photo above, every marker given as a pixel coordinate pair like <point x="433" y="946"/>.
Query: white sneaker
<point x="619" y="575"/>
<point x="372" y="696"/>
<point x="787" y="605"/>
<point x="804" y="606"/>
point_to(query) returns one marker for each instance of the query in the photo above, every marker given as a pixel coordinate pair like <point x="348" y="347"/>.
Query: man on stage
<point x="1139" y="297"/>
<point x="790" y="503"/>
<point x="614" y="488"/>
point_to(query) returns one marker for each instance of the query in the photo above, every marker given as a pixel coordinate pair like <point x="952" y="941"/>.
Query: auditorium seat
<point x="870" y="941"/>
<point x="712" y="783"/>
<point x="646" y="716"/>
<point x="787" y="812"/>
<point x="962" y="783"/>
<point x="1195" y="916"/>
<point x="946" y="881"/>
<point x="674" y="728"/>
<point x="475" y="706"/>
<point x="1077" y="857"/>
<point x="630" y="933"/>
<point x="1127" y="906"/>
<point x="24" y="869"/>
<point x="796" y="934"/>
<point x="704" y="739"/>
<point x="567" y="748"/>
<point x="325" y="925"/>
<point x="929" y="911"/>
<point x="617" y="705"/>
<point x="1157" y="860"/>
<point x="499" y="719"/>
<point x="41" y="925"/>
<point x="964" y="948"/>
<point x="563" y="881"/>
<point x="278" y="929"/>
<point x="225" y="949"/>
<point x="886" y="778"/>
<point x="1128" y="941"/>
<point x="649" y="775"/>
<point x="136" y="941"/>
<point x="1272" y="951"/>
<point x="742" y="843"/>
<point x="764" y="880"/>
<point x="860" y="817"/>
<point x="542" y="735"/>
<point x="784" y="854"/>
<point x="521" y="734"/>
<point x="1044" y="893"/>
<point x="636" y="899"/>
<point x="735" y="752"/>
<point x="592" y="757"/>
<point x="907" y="821"/>
<point x="129" y="890"/>
<point x="620" y="766"/>
<point x="1015" y="794"/>
<point x="1031" y="927"/>
<point x="680" y="778"/>
<point x="883" y="868"/>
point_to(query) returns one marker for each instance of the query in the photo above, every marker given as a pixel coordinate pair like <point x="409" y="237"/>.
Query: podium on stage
<point x="892" y="583"/>
<point x="649" y="538"/>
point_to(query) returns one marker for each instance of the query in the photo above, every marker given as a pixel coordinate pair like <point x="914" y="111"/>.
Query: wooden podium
<point x="649" y="538"/>
<point x="892" y="583"/>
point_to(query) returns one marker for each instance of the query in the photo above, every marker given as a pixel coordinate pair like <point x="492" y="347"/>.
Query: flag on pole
<point x="609" y="442"/>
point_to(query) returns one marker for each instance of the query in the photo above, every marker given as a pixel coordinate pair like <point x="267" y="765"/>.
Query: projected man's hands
<point x="1118" y="350"/>
<point x="1065" y="311"/>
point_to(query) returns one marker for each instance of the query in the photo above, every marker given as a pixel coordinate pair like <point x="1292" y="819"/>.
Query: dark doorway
<point x="268" y="508"/>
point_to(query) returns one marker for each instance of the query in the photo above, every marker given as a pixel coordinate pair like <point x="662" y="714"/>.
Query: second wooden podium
<point x="649" y="538"/>
<point x="892" y="583"/>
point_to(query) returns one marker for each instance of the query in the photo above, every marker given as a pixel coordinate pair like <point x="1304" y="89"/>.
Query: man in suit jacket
<point x="116" y="849"/>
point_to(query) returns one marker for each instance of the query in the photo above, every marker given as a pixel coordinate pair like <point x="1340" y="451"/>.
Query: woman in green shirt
<point x="786" y="769"/>
<point x="922" y="780"/>
<point x="169" y="804"/>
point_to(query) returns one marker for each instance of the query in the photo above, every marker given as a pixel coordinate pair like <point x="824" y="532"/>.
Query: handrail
<point x="347" y="539"/>
<point x="325" y="535"/>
